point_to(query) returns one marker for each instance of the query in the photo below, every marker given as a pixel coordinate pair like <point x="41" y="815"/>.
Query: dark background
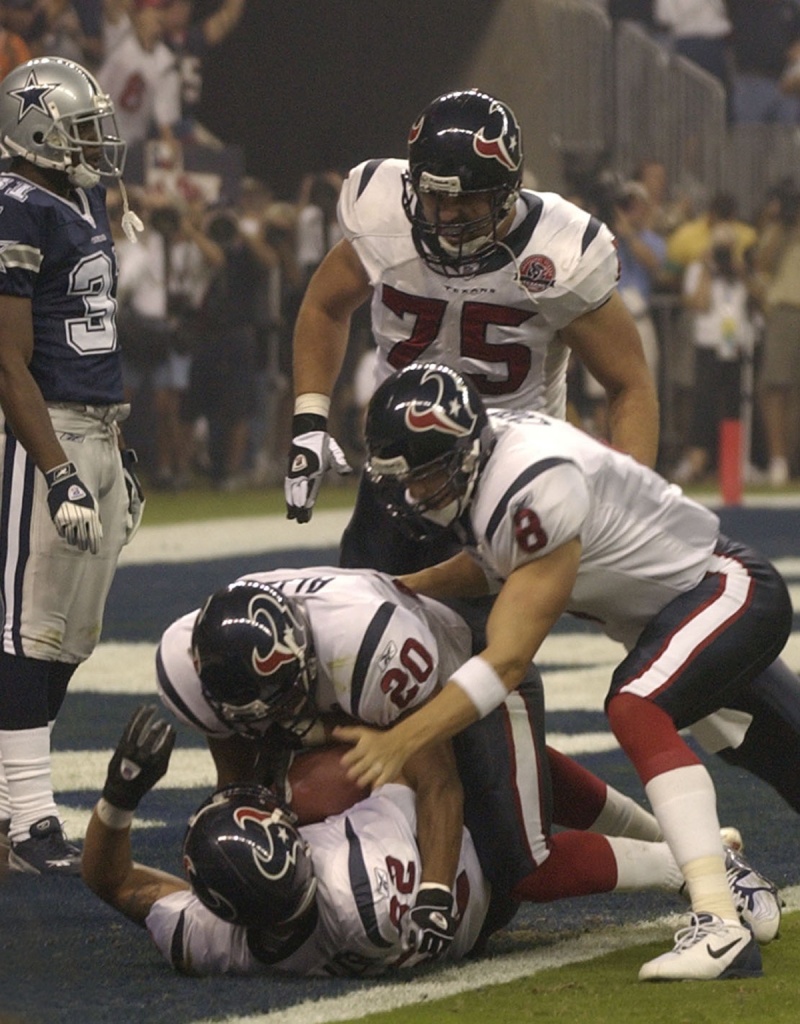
<point x="322" y="84"/>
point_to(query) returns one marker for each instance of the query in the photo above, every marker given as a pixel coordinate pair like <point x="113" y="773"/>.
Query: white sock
<point x="622" y="816"/>
<point x="5" y="803"/>
<point x="643" y="865"/>
<point x="685" y="804"/>
<point x="26" y="762"/>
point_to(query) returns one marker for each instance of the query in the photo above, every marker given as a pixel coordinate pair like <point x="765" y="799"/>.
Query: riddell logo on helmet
<point x="537" y="273"/>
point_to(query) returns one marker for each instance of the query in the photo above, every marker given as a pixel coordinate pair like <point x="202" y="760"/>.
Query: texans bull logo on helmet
<point x="277" y="852"/>
<point x="503" y="147"/>
<point x="266" y="663"/>
<point x="426" y="414"/>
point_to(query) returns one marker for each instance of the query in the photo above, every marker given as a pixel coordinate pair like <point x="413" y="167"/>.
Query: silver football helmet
<point x="54" y="114"/>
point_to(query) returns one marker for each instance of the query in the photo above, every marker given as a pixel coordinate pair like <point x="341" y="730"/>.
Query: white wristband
<point x="481" y="683"/>
<point x="312" y="402"/>
<point x="113" y="817"/>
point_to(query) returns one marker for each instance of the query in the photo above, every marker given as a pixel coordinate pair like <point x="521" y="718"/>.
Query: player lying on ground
<point x="337" y="897"/>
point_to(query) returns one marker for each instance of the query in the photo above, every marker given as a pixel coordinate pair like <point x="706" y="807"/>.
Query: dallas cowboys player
<point x="562" y="523"/>
<point x="70" y="498"/>
<point x="288" y="644"/>
<point x="465" y="268"/>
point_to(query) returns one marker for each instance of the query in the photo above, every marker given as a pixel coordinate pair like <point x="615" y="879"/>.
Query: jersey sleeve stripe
<point x="176" y="951"/>
<point x="522" y="481"/>
<point x="13" y="255"/>
<point x="366" y="175"/>
<point x="361" y="888"/>
<point x="366" y="652"/>
<point x="173" y="696"/>
<point x="590" y="234"/>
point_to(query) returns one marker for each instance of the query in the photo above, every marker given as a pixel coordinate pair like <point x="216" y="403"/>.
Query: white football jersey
<point x="380" y="649"/>
<point x="368" y="868"/>
<point x="643" y="541"/>
<point x="500" y="326"/>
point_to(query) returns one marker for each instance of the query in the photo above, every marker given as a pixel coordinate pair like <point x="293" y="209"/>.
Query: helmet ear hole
<point x="38" y="138"/>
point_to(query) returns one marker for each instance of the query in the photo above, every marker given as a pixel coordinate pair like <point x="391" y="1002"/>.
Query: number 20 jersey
<point x="59" y="253"/>
<point x="380" y="650"/>
<point x="500" y="326"/>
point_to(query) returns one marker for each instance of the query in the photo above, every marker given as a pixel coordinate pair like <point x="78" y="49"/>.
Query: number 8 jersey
<point x="59" y="253"/>
<point x="498" y="326"/>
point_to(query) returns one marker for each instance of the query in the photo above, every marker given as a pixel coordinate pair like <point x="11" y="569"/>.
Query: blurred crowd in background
<point x="208" y="295"/>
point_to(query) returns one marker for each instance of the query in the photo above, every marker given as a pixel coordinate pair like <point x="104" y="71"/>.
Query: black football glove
<point x="136" y="499"/>
<point x="72" y="508"/>
<point x="140" y="760"/>
<point x="312" y="454"/>
<point x="430" y="925"/>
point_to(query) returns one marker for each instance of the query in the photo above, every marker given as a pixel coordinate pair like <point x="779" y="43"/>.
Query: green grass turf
<point x="606" y="991"/>
<point x="200" y="503"/>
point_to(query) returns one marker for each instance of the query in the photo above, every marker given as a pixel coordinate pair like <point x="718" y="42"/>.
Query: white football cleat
<point x="707" y="949"/>
<point x="757" y="900"/>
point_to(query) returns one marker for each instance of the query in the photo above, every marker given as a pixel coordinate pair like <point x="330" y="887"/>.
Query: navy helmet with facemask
<point x="462" y="144"/>
<point x="426" y="425"/>
<point x="253" y="650"/>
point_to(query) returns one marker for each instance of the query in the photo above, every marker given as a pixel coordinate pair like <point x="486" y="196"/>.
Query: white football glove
<point x="312" y="454"/>
<point x="72" y="508"/>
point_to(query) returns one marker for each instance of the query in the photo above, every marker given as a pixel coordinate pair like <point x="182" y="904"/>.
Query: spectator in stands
<point x="766" y="39"/>
<point x="317" y="225"/>
<point x="690" y="243"/>
<point x="13" y="48"/>
<point x="60" y="32"/>
<point x="162" y="281"/>
<point x="716" y="291"/>
<point x="777" y="258"/>
<point x="190" y="42"/>
<point x="700" y="31"/>
<point x="642" y="254"/>
<point x="666" y="212"/>
<point x="640" y="11"/>
<point x="222" y="386"/>
<point x="139" y="73"/>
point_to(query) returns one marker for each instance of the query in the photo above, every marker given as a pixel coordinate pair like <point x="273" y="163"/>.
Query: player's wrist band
<point x="113" y="817"/>
<point x="481" y="683"/>
<point x="435" y="885"/>
<point x="312" y="402"/>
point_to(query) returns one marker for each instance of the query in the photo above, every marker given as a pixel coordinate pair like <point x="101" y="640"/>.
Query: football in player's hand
<point x="319" y="784"/>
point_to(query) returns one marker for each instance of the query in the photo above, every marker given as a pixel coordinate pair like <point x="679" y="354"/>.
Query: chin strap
<point x="131" y="222"/>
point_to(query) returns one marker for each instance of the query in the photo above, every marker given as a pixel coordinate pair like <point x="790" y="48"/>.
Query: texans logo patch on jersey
<point x="537" y="273"/>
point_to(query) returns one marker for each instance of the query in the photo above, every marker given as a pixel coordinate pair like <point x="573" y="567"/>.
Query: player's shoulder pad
<point x="370" y="201"/>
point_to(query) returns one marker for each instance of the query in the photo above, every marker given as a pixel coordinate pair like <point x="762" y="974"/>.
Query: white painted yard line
<point x="221" y="538"/>
<point x="470" y="976"/>
<point x="85" y="770"/>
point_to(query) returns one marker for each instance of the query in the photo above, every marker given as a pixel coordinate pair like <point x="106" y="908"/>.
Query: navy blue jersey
<point x="59" y="254"/>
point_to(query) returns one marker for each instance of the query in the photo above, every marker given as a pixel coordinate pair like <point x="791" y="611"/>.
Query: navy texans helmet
<point x="462" y="143"/>
<point x="54" y="114"/>
<point x="254" y="652"/>
<point x="247" y="862"/>
<point x="426" y="422"/>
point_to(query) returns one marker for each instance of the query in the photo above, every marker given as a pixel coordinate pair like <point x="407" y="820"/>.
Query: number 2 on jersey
<point x="401" y="685"/>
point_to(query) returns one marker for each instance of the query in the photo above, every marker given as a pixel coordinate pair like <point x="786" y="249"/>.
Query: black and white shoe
<point x="47" y="852"/>
<point x="757" y="900"/>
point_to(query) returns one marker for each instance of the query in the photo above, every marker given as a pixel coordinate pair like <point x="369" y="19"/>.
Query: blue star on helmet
<point x="31" y="96"/>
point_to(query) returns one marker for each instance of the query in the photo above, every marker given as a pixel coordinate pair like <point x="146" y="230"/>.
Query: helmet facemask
<point x="455" y="248"/>
<point x="254" y="653"/>
<point x="455" y="473"/>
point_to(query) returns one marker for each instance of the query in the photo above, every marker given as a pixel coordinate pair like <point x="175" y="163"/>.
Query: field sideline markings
<point x="496" y="971"/>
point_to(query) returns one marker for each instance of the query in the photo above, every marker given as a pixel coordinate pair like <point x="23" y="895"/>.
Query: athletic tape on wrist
<point x="481" y="683"/>
<point x="435" y="885"/>
<point x="113" y="817"/>
<point x="312" y="402"/>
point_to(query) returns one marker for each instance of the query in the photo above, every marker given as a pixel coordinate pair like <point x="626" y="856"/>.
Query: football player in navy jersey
<point x="70" y="498"/>
<point x="464" y="267"/>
